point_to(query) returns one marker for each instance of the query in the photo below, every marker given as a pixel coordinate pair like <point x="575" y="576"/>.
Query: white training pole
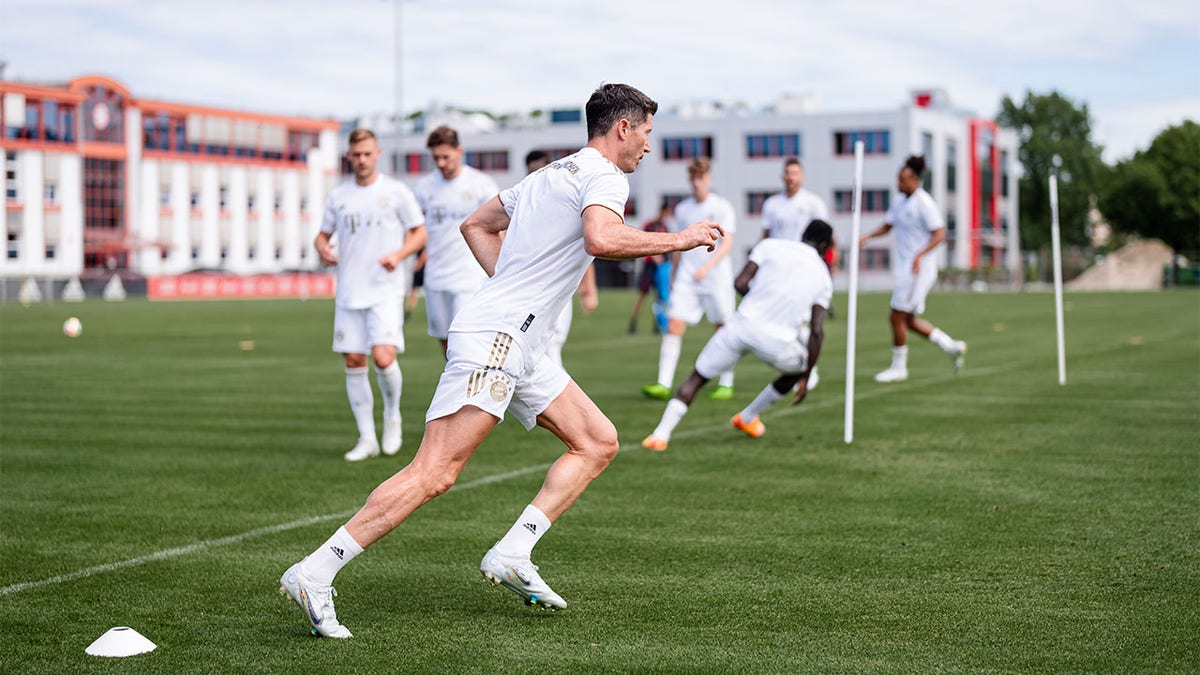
<point x="852" y="301"/>
<point x="1058" y="289"/>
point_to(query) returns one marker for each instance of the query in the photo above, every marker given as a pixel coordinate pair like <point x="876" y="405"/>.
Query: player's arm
<point x="605" y="235"/>
<point x="484" y="230"/>
<point x="936" y="238"/>
<point x="742" y="282"/>
<point x="816" y="337"/>
<point x="877" y="232"/>
<point x="325" y="248"/>
<point x="414" y="240"/>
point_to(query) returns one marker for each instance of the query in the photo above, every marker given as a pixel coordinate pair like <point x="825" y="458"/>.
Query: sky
<point x="1136" y="65"/>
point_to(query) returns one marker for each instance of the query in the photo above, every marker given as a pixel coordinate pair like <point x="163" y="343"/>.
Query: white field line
<point x="201" y="546"/>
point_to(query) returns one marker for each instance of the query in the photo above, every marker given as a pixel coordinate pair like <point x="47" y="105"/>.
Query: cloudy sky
<point x="1135" y="64"/>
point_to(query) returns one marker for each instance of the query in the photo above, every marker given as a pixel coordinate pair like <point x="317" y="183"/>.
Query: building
<point x="972" y="175"/>
<point x="98" y="180"/>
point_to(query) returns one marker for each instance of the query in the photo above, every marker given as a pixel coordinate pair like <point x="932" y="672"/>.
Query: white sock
<point x="325" y="562"/>
<point x="675" y="411"/>
<point x="391" y="383"/>
<point x="524" y="533"/>
<point x="900" y="358"/>
<point x="761" y="402"/>
<point x="942" y="340"/>
<point x="362" y="401"/>
<point x="726" y="379"/>
<point x="668" y="358"/>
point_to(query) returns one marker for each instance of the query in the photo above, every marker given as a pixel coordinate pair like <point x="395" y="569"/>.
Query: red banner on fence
<point x="229" y="286"/>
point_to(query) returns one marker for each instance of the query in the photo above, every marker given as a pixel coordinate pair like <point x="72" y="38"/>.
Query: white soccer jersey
<point x="913" y="221"/>
<point x="791" y="278"/>
<point x="367" y="223"/>
<point x="542" y="259"/>
<point x="714" y="208"/>
<point x="787" y="217"/>
<point x="450" y="266"/>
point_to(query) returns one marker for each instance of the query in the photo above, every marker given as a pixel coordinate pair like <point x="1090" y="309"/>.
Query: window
<point x="10" y="176"/>
<point x="164" y="195"/>
<point x="876" y="200"/>
<point x="927" y="152"/>
<point x="772" y="145"/>
<point x="250" y="203"/>
<point x="1003" y="173"/>
<point x="754" y="202"/>
<point x="51" y="194"/>
<point x="670" y="201"/>
<point x="195" y="200"/>
<point x="566" y="116"/>
<point x="874" y="142"/>
<point x="488" y="160"/>
<point x="687" y="147"/>
<point x="951" y="165"/>
<point x="418" y="162"/>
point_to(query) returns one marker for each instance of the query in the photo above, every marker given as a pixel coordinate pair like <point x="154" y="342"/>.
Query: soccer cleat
<point x="721" y="393"/>
<point x="520" y="576"/>
<point x="754" y="428"/>
<point x="657" y="391"/>
<point x="653" y="442"/>
<point x="365" y="449"/>
<point x="892" y="375"/>
<point x="958" y="355"/>
<point x="316" y="601"/>
<point x="633" y="326"/>
<point x="392" y="434"/>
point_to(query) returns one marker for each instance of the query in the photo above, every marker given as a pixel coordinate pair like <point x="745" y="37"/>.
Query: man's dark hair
<point x="536" y="156"/>
<point x="793" y="160"/>
<point x="819" y="233"/>
<point x="442" y="135"/>
<point x="612" y="102"/>
<point x="915" y="164"/>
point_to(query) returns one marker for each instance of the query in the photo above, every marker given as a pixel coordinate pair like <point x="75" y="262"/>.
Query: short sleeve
<point x="930" y="215"/>
<point x="329" y="217"/>
<point x="509" y="197"/>
<point x="608" y="189"/>
<point x="408" y="210"/>
<point x="894" y="209"/>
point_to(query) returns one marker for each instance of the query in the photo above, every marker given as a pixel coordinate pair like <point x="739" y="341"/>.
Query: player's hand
<point x="916" y="266"/>
<point x="699" y="274"/>
<point x="326" y="254"/>
<point x="863" y="239"/>
<point x="704" y="233"/>
<point x="390" y="261"/>
<point x="801" y="390"/>
<point x="588" y="301"/>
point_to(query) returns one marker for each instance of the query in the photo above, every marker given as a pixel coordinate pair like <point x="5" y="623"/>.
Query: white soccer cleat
<point x="316" y="601"/>
<point x="365" y="449"/>
<point x="391" y="436"/>
<point x="813" y="379"/>
<point x="892" y="374"/>
<point x="520" y="576"/>
<point x="958" y="355"/>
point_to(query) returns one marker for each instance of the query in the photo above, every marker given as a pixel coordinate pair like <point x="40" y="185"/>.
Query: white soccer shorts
<point x="910" y="291"/>
<point x="440" y="308"/>
<point x="782" y="350"/>
<point x="690" y="301"/>
<point x="355" y="331"/>
<point x="485" y="369"/>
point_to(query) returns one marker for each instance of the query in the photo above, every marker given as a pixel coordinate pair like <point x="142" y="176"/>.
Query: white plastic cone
<point x="120" y="641"/>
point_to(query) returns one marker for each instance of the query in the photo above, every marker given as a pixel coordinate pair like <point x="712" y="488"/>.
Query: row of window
<point x="169" y="132"/>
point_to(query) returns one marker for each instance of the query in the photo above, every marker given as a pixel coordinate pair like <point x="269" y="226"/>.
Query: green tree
<point x="1050" y="126"/>
<point x="1156" y="193"/>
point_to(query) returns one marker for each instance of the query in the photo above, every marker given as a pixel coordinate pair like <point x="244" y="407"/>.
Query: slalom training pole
<point x="1058" y="284"/>
<point x="852" y="302"/>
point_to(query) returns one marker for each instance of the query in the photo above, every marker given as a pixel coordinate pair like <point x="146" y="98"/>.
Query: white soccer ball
<point x="72" y="327"/>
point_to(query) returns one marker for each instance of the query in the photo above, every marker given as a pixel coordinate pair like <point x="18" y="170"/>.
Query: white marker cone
<point x="120" y="641"/>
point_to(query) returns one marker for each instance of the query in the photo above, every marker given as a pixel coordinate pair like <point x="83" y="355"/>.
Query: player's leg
<point x="955" y="349"/>
<point x="350" y="338"/>
<point x="719" y="355"/>
<point x="662" y="287"/>
<point x="445" y="448"/>
<point x="685" y="309"/>
<point x="790" y="357"/>
<point x="386" y="335"/>
<point x="719" y="306"/>
<point x="901" y="304"/>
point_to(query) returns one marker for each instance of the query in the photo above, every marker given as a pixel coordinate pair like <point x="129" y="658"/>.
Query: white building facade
<point x="97" y="180"/>
<point x="972" y="167"/>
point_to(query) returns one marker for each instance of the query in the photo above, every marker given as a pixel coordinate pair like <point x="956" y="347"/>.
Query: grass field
<point x="155" y="474"/>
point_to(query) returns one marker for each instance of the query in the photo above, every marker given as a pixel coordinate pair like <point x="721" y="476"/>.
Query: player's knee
<point x="603" y="441"/>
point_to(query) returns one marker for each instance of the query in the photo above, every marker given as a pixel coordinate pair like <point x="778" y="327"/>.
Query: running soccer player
<point x="701" y="284"/>
<point x="554" y="222"/>
<point x="448" y="195"/>
<point x="919" y="230"/>
<point x="377" y="225"/>
<point x="786" y="214"/>
<point x="781" y="320"/>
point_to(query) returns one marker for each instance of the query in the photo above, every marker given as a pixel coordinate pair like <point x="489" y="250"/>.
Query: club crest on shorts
<point x="499" y="388"/>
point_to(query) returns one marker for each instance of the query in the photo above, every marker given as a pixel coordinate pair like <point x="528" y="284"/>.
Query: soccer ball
<point x="72" y="327"/>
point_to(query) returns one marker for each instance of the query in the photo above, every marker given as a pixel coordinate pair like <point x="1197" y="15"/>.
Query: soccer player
<point x="781" y="320"/>
<point x="378" y="225"/>
<point x="786" y="214"/>
<point x="448" y="195"/>
<point x="656" y="275"/>
<point x="919" y="230"/>
<point x="701" y="284"/>
<point x="554" y="222"/>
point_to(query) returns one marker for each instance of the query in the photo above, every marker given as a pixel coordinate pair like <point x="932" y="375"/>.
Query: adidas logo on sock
<point x="338" y="552"/>
<point x="531" y="527"/>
